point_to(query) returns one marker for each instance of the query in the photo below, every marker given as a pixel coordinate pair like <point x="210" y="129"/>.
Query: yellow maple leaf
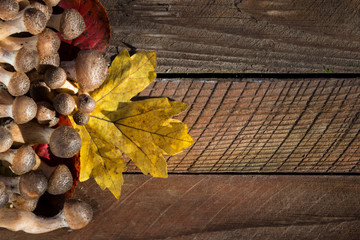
<point x="142" y="130"/>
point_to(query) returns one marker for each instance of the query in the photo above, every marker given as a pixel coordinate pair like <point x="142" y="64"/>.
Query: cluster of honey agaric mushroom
<point x="37" y="87"/>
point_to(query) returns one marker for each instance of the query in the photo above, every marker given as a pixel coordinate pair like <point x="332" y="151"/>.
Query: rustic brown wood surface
<point x="240" y="35"/>
<point x="266" y="125"/>
<point x="220" y="207"/>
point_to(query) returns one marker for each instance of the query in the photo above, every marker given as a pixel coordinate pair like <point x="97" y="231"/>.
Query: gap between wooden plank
<point x="256" y="75"/>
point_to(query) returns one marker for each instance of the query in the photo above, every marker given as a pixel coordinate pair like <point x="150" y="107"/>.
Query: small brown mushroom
<point x="55" y="78"/>
<point x="51" y="3"/>
<point x="70" y="23"/>
<point x="22" y="160"/>
<point x="81" y="118"/>
<point x="29" y="20"/>
<point x="76" y="214"/>
<point x="17" y="83"/>
<point x="89" y="70"/>
<point x="64" y="141"/>
<point x="23" y="60"/>
<point x="46" y="62"/>
<point x="6" y="139"/>
<point x="64" y="103"/>
<point x="46" y="43"/>
<point x="85" y="103"/>
<point x="30" y="185"/>
<point x="22" y="110"/>
<point x="59" y="178"/>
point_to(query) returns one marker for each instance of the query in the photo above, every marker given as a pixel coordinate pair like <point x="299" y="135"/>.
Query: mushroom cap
<point x="6" y="139"/>
<point x="25" y="60"/>
<point x="45" y="112"/>
<point x="46" y="10"/>
<point x="32" y="184"/>
<point x="64" y="103"/>
<point x="86" y="103"/>
<point x="65" y="142"/>
<point x="55" y="77"/>
<point x="91" y="70"/>
<point x="81" y="118"/>
<point x="77" y="213"/>
<point x="48" y="43"/>
<point x="34" y="20"/>
<point x="19" y="84"/>
<point x="51" y="3"/>
<point x="24" y="109"/>
<point x="4" y="197"/>
<point x="8" y="9"/>
<point x="72" y="24"/>
<point x="60" y="180"/>
<point x="24" y="160"/>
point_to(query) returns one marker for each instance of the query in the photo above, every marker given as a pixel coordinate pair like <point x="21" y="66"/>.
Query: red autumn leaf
<point x="97" y="32"/>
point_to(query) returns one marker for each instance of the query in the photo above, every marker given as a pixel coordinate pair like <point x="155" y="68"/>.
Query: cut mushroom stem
<point x="30" y="185"/>
<point x="46" y="43"/>
<point x="55" y="78"/>
<point x="23" y="60"/>
<point x="22" y="110"/>
<point x="70" y="23"/>
<point x="59" y="178"/>
<point x="6" y="139"/>
<point x="64" y="141"/>
<point x="89" y="70"/>
<point x="4" y="196"/>
<point x="29" y="20"/>
<point x="17" y="83"/>
<point x="76" y="214"/>
<point x="22" y="160"/>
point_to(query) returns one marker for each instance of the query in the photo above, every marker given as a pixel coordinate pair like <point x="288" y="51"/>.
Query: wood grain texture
<point x="220" y="207"/>
<point x="240" y="35"/>
<point x="266" y="125"/>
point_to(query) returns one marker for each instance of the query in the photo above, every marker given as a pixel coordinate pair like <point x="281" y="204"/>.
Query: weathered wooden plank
<point x="267" y="125"/>
<point x="241" y="35"/>
<point x="220" y="207"/>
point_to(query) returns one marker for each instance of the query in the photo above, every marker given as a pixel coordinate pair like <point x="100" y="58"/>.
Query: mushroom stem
<point x="75" y="215"/>
<point x="22" y="110"/>
<point x="22" y="160"/>
<point x="17" y="83"/>
<point x="64" y="141"/>
<point x="4" y="196"/>
<point x="5" y="97"/>
<point x="70" y="23"/>
<point x="29" y="20"/>
<point x="23" y="60"/>
<point x="6" y="139"/>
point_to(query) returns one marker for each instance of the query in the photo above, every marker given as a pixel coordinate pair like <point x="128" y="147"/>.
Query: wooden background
<point x="259" y="140"/>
